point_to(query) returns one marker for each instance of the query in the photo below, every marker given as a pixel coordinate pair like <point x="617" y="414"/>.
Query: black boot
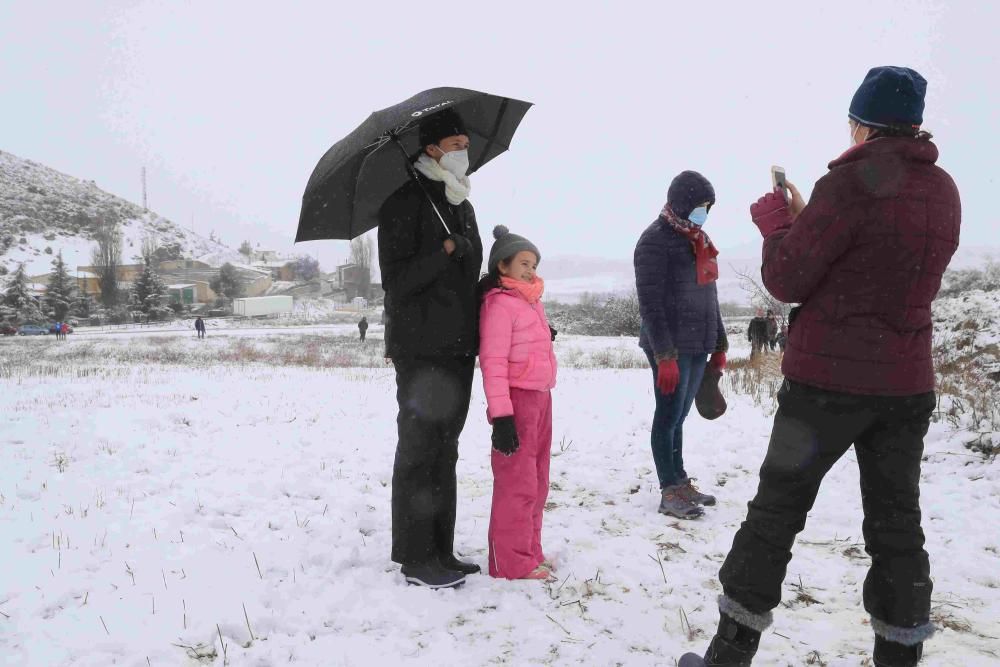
<point x="432" y="575"/>
<point x="449" y="562"/>
<point x="891" y="654"/>
<point x="734" y="645"/>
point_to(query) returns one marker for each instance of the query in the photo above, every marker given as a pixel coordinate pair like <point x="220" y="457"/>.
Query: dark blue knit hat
<point x="687" y="191"/>
<point x="890" y="96"/>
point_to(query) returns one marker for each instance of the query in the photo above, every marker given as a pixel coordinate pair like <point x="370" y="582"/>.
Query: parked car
<point x="32" y="330"/>
<point x="7" y="330"/>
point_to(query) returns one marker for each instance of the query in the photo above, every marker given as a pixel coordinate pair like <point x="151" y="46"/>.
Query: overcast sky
<point x="230" y="105"/>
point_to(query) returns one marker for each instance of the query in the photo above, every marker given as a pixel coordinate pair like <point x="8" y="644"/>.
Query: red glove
<point x="668" y="375"/>
<point x="770" y="213"/>
<point x="717" y="361"/>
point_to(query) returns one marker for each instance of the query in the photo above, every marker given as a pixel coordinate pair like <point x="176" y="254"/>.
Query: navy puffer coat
<point x="679" y="316"/>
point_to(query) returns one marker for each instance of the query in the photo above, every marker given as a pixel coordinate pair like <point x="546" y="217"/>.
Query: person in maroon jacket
<point x="864" y="258"/>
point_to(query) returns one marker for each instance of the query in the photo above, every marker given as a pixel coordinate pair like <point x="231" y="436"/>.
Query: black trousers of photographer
<point x="813" y="428"/>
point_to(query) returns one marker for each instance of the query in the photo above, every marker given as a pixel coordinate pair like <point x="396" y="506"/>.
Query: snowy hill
<point x="43" y="212"/>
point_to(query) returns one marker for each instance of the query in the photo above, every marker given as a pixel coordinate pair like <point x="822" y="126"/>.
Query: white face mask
<point x="457" y="162"/>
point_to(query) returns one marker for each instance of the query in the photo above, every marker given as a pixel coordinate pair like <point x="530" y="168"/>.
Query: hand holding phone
<point x="778" y="180"/>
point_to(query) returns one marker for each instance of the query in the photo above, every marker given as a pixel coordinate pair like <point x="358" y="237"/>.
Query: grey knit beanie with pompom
<point x="507" y="245"/>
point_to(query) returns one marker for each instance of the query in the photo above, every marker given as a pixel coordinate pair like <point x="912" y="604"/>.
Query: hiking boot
<point x="891" y="654"/>
<point x="672" y="503"/>
<point x="449" y="562"/>
<point x="432" y="575"/>
<point x="734" y="645"/>
<point x="688" y="491"/>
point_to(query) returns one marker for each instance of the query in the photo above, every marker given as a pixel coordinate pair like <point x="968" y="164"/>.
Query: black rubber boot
<point x="432" y="575"/>
<point x="891" y="654"/>
<point x="465" y="567"/>
<point x="734" y="645"/>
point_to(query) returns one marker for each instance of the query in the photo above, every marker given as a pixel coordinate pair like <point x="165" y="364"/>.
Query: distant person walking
<point x="757" y="334"/>
<point x="864" y="258"/>
<point x="675" y="276"/>
<point x="64" y="330"/>
<point x="363" y="328"/>
<point x="772" y="330"/>
<point x="199" y="326"/>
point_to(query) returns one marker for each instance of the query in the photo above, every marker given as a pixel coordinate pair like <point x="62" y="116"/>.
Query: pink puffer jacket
<point x="515" y="349"/>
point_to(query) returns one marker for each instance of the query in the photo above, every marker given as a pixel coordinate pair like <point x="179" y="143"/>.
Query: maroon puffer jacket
<point x="865" y="259"/>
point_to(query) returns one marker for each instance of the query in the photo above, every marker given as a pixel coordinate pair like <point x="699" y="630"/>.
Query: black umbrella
<point x="361" y="171"/>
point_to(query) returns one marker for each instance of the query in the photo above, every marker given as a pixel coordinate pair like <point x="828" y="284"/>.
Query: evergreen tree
<point x="149" y="293"/>
<point x="17" y="299"/>
<point x="61" y="293"/>
<point x="227" y="283"/>
<point x="84" y="306"/>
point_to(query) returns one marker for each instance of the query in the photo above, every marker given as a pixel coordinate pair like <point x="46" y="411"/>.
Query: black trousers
<point x="433" y="397"/>
<point x="812" y="430"/>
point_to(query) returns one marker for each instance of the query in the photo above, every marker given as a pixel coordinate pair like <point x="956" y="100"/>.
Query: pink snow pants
<point x="520" y="487"/>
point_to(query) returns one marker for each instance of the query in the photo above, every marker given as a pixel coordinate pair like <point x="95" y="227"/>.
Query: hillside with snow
<point x="43" y="212"/>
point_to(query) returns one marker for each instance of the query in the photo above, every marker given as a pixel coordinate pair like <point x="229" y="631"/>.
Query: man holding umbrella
<point x="406" y="169"/>
<point x="431" y="255"/>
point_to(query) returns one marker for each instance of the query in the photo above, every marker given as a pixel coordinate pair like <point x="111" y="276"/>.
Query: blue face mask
<point x="699" y="215"/>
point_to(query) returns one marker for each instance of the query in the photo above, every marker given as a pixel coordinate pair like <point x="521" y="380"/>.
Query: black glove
<point x="553" y="332"/>
<point x="505" y="435"/>
<point x="462" y="246"/>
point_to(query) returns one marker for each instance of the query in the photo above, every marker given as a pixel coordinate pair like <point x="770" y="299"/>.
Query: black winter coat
<point x="679" y="316"/>
<point x="431" y="298"/>
<point x="758" y="330"/>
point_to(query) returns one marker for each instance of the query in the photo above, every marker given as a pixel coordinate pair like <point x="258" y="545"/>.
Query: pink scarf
<point x="532" y="292"/>
<point x="706" y="265"/>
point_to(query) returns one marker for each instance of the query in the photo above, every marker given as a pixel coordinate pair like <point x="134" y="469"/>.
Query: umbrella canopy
<point x="361" y="171"/>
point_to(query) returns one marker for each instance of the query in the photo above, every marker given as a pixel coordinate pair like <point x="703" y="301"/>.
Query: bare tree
<point x="362" y="249"/>
<point x="759" y="296"/>
<point x="107" y="259"/>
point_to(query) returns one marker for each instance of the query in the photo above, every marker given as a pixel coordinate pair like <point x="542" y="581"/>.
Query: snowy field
<point x="168" y="501"/>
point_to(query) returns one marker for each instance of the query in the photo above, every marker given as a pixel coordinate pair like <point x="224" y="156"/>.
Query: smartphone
<point x="778" y="179"/>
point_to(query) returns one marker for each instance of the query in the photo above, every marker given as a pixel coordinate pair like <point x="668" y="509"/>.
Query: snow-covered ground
<point x="217" y="506"/>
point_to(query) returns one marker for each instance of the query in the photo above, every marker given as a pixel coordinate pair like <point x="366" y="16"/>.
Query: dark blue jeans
<point x="667" y="434"/>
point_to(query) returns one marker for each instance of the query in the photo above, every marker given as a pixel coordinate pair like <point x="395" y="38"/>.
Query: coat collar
<point x="916" y="150"/>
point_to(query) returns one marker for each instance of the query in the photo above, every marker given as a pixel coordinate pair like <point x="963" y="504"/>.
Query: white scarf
<point x="456" y="190"/>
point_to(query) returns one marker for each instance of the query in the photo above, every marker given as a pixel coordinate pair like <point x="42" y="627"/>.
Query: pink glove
<point x="770" y="213"/>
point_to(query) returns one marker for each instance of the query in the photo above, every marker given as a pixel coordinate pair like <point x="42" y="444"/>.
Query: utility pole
<point x="145" y="201"/>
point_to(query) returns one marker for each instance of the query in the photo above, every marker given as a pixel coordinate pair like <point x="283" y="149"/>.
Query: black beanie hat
<point x="440" y="126"/>
<point x="688" y="190"/>
<point x="890" y="96"/>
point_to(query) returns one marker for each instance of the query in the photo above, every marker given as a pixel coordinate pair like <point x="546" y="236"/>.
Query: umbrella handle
<point x="413" y="174"/>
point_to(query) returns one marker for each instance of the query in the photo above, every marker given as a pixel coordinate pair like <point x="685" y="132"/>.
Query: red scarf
<point x="532" y="292"/>
<point x="706" y="265"/>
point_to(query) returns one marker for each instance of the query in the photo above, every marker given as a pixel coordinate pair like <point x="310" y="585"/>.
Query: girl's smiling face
<point x="521" y="267"/>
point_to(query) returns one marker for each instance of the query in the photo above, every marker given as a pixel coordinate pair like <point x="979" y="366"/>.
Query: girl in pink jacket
<point x="519" y="370"/>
